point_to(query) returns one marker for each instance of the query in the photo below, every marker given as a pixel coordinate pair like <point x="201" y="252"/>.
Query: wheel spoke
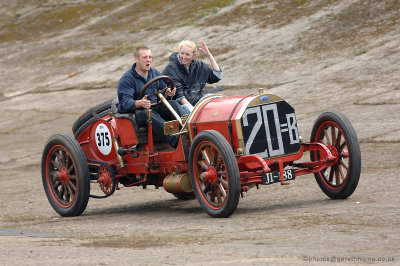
<point x="61" y="192"/>
<point x="344" y="154"/>
<point x="328" y="139"/>
<point x="219" y="173"/>
<point x="70" y="169"/>
<point x="56" y="184"/>
<point x="53" y="163"/>
<point x="218" y="163"/>
<point x="344" y="164"/>
<point x="221" y="180"/>
<point x="217" y="159"/>
<point x="60" y="158"/>
<point x="53" y="175"/>
<point x="218" y="192"/>
<point x="337" y="176"/>
<point x="331" y="173"/>
<point x="221" y="188"/>
<point x="338" y="139"/>
<point x="342" y="174"/>
<point x="212" y="194"/>
<point x="203" y="165"/>
<point x="72" y="187"/>
<point x="205" y="157"/>
<point x="205" y="188"/>
<point x="67" y="163"/>
<point x="333" y="133"/>
<point x="67" y="194"/>
<point x="341" y="147"/>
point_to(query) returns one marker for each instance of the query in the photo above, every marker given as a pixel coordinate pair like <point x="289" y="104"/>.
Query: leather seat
<point x="141" y="131"/>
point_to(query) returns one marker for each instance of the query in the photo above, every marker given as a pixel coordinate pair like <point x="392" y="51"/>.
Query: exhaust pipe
<point x="176" y="183"/>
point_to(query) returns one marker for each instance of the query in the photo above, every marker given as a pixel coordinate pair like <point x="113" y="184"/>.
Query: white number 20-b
<point x="262" y="118"/>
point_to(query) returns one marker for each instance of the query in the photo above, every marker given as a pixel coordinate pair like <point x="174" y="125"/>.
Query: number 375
<point x="103" y="139"/>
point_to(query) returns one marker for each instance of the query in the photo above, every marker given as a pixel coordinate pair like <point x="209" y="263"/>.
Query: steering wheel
<point x="169" y="82"/>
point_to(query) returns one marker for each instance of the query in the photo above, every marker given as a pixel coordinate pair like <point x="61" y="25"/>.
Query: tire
<point x="100" y="108"/>
<point x="89" y="122"/>
<point x="65" y="175"/>
<point x="341" y="179"/>
<point x="218" y="188"/>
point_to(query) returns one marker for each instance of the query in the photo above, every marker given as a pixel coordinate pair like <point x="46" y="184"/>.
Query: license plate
<point x="274" y="177"/>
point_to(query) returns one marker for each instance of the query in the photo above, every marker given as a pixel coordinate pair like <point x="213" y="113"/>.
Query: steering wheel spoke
<point x="169" y="82"/>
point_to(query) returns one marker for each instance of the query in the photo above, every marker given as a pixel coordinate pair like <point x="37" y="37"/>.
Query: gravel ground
<point x="341" y="56"/>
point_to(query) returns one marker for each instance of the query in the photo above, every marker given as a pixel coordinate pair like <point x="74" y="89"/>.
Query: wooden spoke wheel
<point x="65" y="175"/>
<point x="214" y="174"/>
<point x="335" y="131"/>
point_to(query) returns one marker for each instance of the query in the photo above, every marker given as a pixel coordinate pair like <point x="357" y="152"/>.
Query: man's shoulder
<point x="128" y="74"/>
<point x="127" y="80"/>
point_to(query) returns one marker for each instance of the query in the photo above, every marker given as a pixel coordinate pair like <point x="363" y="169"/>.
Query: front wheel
<point x="214" y="174"/>
<point x="65" y="175"/>
<point x="335" y="131"/>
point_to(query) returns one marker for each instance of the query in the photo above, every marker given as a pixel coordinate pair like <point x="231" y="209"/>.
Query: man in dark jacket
<point x="191" y="75"/>
<point x="131" y="84"/>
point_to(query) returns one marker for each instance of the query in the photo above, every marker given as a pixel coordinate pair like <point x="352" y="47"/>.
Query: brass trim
<point x="171" y="127"/>
<point x="162" y="98"/>
<point x="115" y="142"/>
<point x="257" y="100"/>
<point x="238" y="124"/>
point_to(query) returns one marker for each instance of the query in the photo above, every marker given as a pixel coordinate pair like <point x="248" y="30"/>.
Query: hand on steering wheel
<point x="169" y="92"/>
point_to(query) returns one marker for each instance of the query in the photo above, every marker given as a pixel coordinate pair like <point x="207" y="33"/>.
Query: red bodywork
<point x="216" y="112"/>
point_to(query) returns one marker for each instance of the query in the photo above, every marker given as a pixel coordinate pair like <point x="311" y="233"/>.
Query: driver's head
<point x="143" y="59"/>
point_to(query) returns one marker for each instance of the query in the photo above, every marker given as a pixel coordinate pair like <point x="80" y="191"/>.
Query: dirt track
<point x="275" y="225"/>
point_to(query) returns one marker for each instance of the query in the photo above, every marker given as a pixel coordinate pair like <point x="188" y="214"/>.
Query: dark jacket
<point x="130" y="85"/>
<point x="190" y="84"/>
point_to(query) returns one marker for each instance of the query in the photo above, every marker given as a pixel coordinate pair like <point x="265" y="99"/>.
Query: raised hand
<point x="204" y="48"/>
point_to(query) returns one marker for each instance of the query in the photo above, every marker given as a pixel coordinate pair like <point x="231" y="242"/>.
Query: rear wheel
<point x="91" y="114"/>
<point x="214" y="174"/>
<point x="89" y="122"/>
<point x="335" y="131"/>
<point x="65" y="175"/>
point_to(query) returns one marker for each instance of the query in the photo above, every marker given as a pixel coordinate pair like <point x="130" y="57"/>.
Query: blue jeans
<point x="159" y="115"/>
<point x="186" y="109"/>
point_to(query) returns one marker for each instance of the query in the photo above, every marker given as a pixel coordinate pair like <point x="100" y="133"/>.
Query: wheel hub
<point x="210" y="175"/>
<point x="334" y="152"/>
<point x="63" y="176"/>
<point x="105" y="180"/>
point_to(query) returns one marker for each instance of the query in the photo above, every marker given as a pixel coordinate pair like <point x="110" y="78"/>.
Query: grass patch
<point x="357" y="53"/>
<point x="52" y="20"/>
<point x="142" y="241"/>
<point x="329" y="65"/>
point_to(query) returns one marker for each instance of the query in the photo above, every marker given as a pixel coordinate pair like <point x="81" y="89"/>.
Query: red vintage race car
<point x="227" y="146"/>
